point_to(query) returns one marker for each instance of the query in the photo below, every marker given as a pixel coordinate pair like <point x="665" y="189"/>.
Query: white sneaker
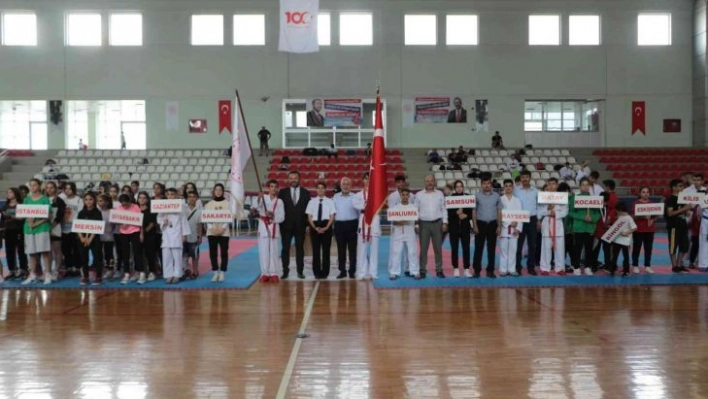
<point x="135" y="277"/>
<point x="588" y="271"/>
<point x="635" y="270"/>
<point x="467" y="273"/>
<point x="577" y="272"/>
<point x="141" y="278"/>
<point x="456" y="273"/>
<point x="2" y="279"/>
<point x="648" y="270"/>
<point x="30" y="279"/>
<point x="151" y="277"/>
<point x="47" y="278"/>
<point x="221" y="276"/>
<point x="126" y="279"/>
<point x="215" y="277"/>
<point x="55" y="276"/>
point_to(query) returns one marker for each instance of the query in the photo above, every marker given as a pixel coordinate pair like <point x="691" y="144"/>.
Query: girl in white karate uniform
<point x="509" y="234"/>
<point x="175" y="230"/>
<point x="553" y="233"/>
<point x="368" y="241"/>
<point x="272" y="213"/>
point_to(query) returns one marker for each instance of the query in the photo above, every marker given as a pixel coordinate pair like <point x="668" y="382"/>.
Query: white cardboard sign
<point x="32" y="211"/>
<point x="460" y="201"/>
<point x="614" y="231"/>
<point x="650" y="209"/>
<point x="126" y="217"/>
<point x="516" y="216"/>
<point x="589" y="201"/>
<point x="692" y="198"/>
<point x="88" y="226"/>
<point x="552" y="197"/>
<point x="402" y="214"/>
<point x="217" y="216"/>
<point x="166" y="206"/>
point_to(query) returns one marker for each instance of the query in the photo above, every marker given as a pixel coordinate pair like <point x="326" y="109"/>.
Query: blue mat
<point x="660" y="259"/>
<point x="243" y="271"/>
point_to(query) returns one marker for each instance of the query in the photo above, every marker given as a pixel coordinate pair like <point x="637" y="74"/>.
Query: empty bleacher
<point x="654" y="168"/>
<point x="333" y="169"/>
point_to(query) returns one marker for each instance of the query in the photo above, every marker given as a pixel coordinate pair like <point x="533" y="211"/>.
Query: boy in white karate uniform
<point x="703" y="239"/>
<point x="271" y="213"/>
<point x="509" y="234"/>
<point x="403" y="238"/>
<point x="553" y="235"/>
<point x="175" y="230"/>
<point x="369" y="235"/>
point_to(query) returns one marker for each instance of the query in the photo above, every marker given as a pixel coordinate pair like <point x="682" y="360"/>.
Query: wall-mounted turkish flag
<point x="225" y="119"/>
<point x="639" y="117"/>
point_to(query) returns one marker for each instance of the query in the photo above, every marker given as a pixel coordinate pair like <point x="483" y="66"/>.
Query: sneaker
<point x="151" y="277"/>
<point x="55" y="276"/>
<point x="648" y="270"/>
<point x="467" y="273"/>
<point x="684" y="269"/>
<point x="676" y="270"/>
<point x="47" y="278"/>
<point x="274" y="279"/>
<point x="30" y="279"/>
<point x="126" y="279"/>
<point x="625" y="274"/>
<point x="560" y="273"/>
<point x="2" y="279"/>
<point x="215" y="277"/>
<point x="577" y="272"/>
<point x="393" y="277"/>
<point x="264" y="279"/>
<point x="514" y="274"/>
<point x="135" y="277"/>
<point x="442" y="275"/>
<point x="141" y="278"/>
<point x="456" y="273"/>
<point x="84" y="281"/>
<point x="635" y="270"/>
<point x="588" y="271"/>
<point x="221" y="276"/>
<point x="97" y="281"/>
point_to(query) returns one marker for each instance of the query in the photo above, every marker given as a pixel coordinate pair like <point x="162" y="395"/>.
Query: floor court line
<point x="287" y="374"/>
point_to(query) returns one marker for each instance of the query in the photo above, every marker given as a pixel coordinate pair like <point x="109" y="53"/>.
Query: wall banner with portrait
<point x="435" y="109"/>
<point x="339" y="112"/>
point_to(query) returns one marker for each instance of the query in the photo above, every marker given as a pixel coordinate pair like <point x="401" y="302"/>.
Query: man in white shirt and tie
<point x="431" y="225"/>
<point x="295" y="200"/>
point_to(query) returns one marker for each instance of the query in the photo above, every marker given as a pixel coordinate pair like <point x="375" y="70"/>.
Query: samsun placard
<point x="460" y="201"/>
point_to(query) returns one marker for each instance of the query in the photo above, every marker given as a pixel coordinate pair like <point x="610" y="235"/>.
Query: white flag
<point x="240" y="152"/>
<point x="172" y="116"/>
<point x="298" y="26"/>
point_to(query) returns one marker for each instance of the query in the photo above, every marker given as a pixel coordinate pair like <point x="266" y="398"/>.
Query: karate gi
<point x="508" y="240"/>
<point x="553" y="237"/>
<point x="269" y="234"/>
<point x="403" y="242"/>
<point x="368" y="241"/>
<point x="703" y="241"/>
<point x="394" y="199"/>
<point x="175" y="228"/>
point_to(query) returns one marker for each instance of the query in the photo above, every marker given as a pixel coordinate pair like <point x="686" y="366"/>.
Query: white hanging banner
<point x="298" y="26"/>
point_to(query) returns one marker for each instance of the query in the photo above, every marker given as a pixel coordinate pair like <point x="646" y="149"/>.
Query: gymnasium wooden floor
<point x="642" y="343"/>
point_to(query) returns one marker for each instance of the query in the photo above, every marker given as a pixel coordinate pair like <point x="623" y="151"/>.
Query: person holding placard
<point x="703" y="236"/>
<point x="175" y="230"/>
<point x="90" y="242"/>
<point x="644" y="235"/>
<point x="694" y="218"/>
<point x="14" y="236"/>
<point x="194" y="239"/>
<point x="677" y="227"/>
<point x="509" y="235"/>
<point x="37" y="231"/>
<point x="584" y="223"/>
<point x="218" y="234"/>
<point x="320" y="216"/>
<point x="271" y="213"/>
<point x="69" y="240"/>
<point x="622" y="240"/>
<point x="568" y="230"/>
<point x="55" y="237"/>
<point x="130" y="237"/>
<point x="148" y="239"/>
<point x="608" y="217"/>
<point x="487" y="219"/>
<point x="403" y="238"/>
<point x="528" y="195"/>
<point x="460" y="229"/>
<point x="394" y="199"/>
<point x="432" y="224"/>
<point x="108" y="237"/>
<point x="553" y="236"/>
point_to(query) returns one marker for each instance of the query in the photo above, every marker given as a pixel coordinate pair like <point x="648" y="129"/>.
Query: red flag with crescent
<point x="639" y="117"/>
<point x="378" y="187"/>
<point x="225" y="120"/>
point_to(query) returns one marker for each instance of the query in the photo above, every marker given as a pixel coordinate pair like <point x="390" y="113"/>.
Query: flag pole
<point x="248" y="138"/>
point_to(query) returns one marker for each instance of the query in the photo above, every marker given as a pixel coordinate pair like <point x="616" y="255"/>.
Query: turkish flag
<point x="639" y="119"/>
<point x="225" y="120"/>
<point x="377" y="191"/>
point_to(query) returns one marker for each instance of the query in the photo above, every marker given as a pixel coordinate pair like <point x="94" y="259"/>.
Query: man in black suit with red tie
<point x="295" y="200"/>
<point x="314" y="117"/>
<point x="459" y="114"/>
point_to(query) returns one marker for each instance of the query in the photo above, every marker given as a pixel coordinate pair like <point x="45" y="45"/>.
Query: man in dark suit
<point x="314" y="117"/>
<point x="295" y="200"/>
<point x="459" y="114"/>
